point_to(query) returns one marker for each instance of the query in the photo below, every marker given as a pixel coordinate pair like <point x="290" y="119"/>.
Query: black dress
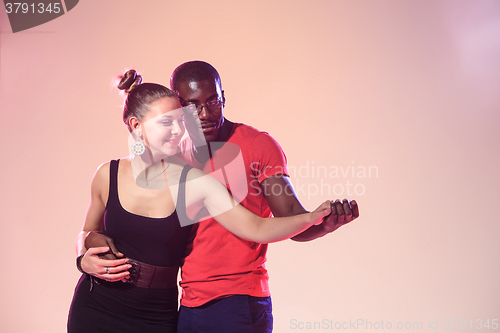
<point x="122" y="307"/>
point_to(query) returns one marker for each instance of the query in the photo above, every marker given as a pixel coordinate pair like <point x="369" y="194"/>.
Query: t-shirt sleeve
<point x="268" y="157"/>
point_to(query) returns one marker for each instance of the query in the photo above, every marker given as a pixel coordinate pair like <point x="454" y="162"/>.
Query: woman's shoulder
<point x="201" y="180"/>
<point x="122" y="162"/>
<point x="100" y="181"/>
<point x="103" y="169"/>
<point x="194" y="173"/>
<point x="102" y="173"/>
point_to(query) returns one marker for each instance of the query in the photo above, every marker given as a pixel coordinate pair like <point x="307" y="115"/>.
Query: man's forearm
<point x="80" y="242"/>
<point x="312" y="233"/>
<point x="309" y="234"/>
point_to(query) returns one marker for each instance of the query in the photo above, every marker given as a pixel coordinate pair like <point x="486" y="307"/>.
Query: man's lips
<point x="207" y="127"/>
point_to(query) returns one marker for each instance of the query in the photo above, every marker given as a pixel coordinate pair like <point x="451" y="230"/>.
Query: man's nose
<point x="204" y="113"/>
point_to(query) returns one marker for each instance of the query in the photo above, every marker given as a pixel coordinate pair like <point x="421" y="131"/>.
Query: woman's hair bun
<point x="129" y="80"/>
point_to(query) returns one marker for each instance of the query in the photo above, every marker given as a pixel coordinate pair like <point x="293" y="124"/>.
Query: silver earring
<point x="138" y="148"/>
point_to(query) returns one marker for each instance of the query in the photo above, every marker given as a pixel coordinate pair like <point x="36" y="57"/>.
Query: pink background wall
<point x="409" y="88"/>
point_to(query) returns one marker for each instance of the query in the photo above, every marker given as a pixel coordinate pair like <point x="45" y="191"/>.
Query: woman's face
<point x="163" y="126"/>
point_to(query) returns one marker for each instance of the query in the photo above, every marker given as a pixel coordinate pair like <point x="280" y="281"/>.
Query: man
<point x="224" y="280"/>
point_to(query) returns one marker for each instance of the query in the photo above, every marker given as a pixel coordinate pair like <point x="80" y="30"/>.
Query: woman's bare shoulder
<point x="102" y="171"/>
<point x="101" y="177"/>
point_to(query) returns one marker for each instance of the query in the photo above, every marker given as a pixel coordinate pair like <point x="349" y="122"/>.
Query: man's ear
<point x="223" y="99"/>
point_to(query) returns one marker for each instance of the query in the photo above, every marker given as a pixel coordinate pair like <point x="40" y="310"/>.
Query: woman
<point x="141" y="202"/>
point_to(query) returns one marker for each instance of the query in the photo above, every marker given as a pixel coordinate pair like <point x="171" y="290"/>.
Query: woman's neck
<point x="148" y="172"/>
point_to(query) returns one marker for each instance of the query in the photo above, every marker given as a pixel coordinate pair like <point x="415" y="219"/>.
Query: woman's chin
<point x="166" y="153"/>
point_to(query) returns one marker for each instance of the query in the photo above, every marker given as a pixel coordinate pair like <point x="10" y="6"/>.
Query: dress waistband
<point x="152" y="277"/>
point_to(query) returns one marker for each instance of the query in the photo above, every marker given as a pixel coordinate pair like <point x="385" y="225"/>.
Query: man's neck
<point x="203" y="153"/>
<point x="225" y="130"/>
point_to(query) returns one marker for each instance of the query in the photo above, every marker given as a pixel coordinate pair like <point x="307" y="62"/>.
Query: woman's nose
<point x="177" y="128"/>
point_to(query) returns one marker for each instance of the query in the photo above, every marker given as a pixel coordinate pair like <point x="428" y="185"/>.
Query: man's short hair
<point x="193" y="71"/>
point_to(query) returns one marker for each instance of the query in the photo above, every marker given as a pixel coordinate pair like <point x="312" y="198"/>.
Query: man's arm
<point x="285" y="203"/>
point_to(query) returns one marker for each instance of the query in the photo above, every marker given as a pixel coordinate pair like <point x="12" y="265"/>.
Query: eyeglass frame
<point x="211" y="106"/>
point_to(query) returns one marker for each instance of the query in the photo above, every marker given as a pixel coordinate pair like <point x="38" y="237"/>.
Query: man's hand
<point x="95" y="239"/>
<point x="342" y="213"/>
<point x="285" y="203"/>
<point x="109" y="270"/>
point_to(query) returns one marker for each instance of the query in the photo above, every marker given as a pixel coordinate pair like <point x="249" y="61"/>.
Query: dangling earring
<point x="138" y="148"/>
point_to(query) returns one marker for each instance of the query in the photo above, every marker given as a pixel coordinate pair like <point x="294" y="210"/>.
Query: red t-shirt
<point x="217" y="263"/>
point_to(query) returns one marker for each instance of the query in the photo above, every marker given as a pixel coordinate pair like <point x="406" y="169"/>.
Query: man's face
<point x="208" y="97"/>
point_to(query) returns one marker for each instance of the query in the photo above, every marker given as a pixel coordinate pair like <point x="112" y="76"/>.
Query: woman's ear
<point x="135" y="125"/>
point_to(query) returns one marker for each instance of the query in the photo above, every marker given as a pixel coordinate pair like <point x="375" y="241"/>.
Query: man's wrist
<point x="79" y="263"/>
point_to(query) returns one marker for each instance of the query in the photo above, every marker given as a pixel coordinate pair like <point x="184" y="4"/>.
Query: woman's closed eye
<point x="166" y="122"/>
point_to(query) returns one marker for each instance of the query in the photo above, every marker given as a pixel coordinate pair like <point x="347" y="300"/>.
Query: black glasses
<point x="212" y="106"/>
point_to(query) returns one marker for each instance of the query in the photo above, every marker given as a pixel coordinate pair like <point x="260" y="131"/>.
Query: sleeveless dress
<point x="122" y="307"/>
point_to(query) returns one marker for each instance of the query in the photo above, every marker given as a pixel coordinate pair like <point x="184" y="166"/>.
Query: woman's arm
<point x="94" y="219"/>
<point x="243" y="223"/>
<point x="110" y="270"/>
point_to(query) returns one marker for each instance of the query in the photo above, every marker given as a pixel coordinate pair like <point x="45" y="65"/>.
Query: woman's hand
<point x="319" y="213"/>
<point x="109" y="270"/>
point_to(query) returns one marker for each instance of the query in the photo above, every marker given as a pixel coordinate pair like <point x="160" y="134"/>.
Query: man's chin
<point x="211" y="136"/>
